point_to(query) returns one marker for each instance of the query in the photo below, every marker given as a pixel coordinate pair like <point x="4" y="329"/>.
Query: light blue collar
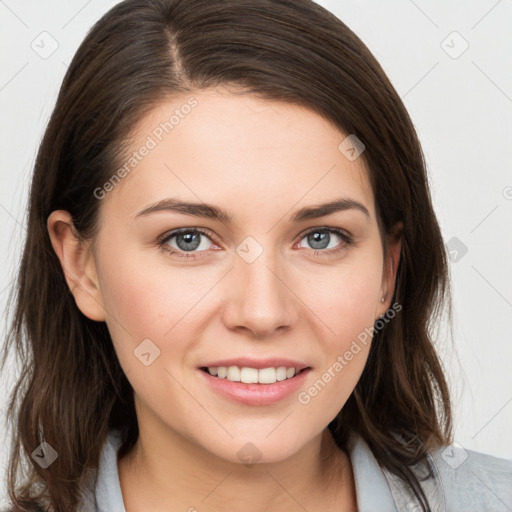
<point x="372" y="489"/>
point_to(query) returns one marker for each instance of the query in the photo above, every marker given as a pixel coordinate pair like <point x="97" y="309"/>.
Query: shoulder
<point x="473" y="480"/>
<point x="462" y="480"/>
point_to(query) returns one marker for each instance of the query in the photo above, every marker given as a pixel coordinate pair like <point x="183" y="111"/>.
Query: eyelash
<point x="162" y="241"/>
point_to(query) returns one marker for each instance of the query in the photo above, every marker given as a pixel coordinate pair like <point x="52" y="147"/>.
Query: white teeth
<point x="233" y="374"/>
<point x="249" y="375"/>
<point x="252" y="375"/>
<point x="281" y="373"/>
<point x="267" y="376"/>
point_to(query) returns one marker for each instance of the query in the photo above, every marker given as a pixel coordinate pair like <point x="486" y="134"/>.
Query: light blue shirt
<point x="465" y="481"/>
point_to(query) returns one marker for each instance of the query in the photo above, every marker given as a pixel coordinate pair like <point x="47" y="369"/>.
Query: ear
<point x="391" y="261"/>
<point x="77" y="263"/>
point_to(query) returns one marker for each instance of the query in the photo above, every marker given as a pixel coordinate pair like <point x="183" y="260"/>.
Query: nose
<point x="260" y="300"/>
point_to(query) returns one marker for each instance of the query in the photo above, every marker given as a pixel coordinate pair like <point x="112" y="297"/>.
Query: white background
<point x="461" y="108"/>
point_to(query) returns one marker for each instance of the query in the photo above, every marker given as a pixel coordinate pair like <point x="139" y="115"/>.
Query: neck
<point x="165" y="471"/>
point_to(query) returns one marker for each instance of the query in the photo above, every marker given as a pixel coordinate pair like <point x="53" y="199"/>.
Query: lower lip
<point x="256" y="394"/>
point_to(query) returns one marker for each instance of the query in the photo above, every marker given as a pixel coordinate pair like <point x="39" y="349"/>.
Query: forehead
<point x="236" y="149"/>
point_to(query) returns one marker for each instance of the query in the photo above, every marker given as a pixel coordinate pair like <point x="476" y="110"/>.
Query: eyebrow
<point x="213" y="212"/>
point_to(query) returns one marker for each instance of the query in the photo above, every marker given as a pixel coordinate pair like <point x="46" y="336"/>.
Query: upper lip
<point x="272" y="362"/>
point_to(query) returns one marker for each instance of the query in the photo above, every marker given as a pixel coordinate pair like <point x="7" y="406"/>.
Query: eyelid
<point x="164" y="238"/>
<point x="169" y="234"/>
<point x="346" y="237"/>
<point x="339" y="231"/>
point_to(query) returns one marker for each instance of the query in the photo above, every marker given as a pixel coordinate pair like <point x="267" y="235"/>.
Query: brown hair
<point x="71" y="389"/>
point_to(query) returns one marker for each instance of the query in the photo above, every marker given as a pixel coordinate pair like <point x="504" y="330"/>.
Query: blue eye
<point x="187" y="242"/>
<point x="320" y="238"/>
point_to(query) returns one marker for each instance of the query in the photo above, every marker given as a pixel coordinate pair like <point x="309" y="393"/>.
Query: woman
<point x="231" y="264"/>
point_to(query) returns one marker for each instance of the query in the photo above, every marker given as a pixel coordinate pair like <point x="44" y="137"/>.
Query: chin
<point x="258" y="449"/>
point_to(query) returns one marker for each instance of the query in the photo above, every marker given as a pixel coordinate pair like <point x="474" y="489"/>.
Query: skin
<point x="261" y="161"/>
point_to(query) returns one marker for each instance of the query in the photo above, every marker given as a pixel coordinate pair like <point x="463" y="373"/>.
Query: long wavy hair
<point x="71" y="389"/>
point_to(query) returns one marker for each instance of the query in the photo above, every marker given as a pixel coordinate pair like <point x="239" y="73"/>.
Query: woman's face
<point x="272" y="280"/>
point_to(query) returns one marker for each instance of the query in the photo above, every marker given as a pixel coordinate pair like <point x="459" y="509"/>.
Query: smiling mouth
<point x="247" y="375"/>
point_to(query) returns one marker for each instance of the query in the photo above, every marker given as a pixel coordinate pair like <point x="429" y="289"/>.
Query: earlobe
<point x="391" y="263"/>
<point x="77" y="263"/>
<point x="395" y="248"/>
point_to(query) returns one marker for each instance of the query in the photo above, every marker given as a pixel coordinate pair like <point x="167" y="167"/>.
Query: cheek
<point x="344" y="300"/>
<point x="142" y="299"/>
<point x="345" y="297"/>
<point x="344" y="353"/>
